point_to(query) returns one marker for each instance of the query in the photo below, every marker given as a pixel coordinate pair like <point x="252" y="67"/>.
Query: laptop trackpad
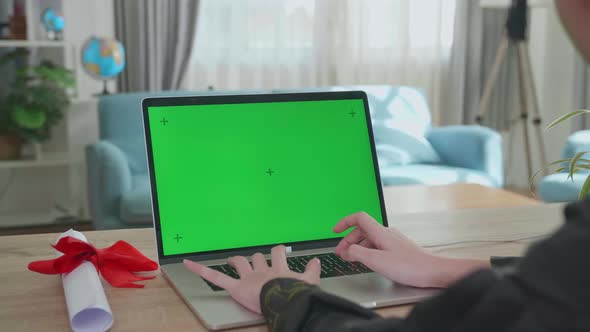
<point x="372" y="290"/>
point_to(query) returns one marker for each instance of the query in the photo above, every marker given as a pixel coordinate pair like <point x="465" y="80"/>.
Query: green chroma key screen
<point x="250" y="174"/>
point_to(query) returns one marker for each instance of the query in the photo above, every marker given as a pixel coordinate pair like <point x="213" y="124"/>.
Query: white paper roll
<point x="87" y="303"/>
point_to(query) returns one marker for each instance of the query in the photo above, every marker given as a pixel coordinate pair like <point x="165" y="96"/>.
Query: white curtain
<point x="274" y="44"/>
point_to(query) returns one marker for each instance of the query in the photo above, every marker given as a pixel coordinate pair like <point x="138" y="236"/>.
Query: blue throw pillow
<point x="390" y="155"/>
<point x="403" y="108"/>
<point x="418" y="149"/>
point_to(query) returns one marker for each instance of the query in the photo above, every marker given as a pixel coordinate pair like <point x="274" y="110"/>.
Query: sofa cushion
<point x="406" y="110"/>
<point x="433" y="175"/>
<point x="135" y="204"/>
<point x="400" y="118"/>
<point x="388" y="155"/>
<point x="418" y="149"/>
<point x="558" y="188"/>
<point x="401" y="107"/>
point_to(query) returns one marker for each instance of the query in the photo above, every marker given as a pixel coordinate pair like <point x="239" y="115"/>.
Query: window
<point x="274" y="44"/>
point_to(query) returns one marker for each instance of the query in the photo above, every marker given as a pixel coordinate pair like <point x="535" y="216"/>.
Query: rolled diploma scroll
<point x="87" y="303"/>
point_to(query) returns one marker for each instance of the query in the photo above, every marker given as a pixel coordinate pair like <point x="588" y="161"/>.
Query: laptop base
<point x="217" y="310"/>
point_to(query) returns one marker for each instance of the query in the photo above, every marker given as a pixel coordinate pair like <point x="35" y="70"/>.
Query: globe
<point x="54" y="24"/>
<point x="52" y="21"/>
<point x="103" y="58"/>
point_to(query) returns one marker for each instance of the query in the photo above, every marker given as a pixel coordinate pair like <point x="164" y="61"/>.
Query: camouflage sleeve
<point x="293" y="305"/>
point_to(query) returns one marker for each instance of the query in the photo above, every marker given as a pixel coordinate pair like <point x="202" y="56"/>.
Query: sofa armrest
<point x="108" y="177"/>
<point x="474" y="147"/>
<point x="577" y="142"/>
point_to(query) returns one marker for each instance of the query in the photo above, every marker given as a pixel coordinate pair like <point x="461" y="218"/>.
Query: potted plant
<point x="35" y="102"/>
<point x="572" y="165"/>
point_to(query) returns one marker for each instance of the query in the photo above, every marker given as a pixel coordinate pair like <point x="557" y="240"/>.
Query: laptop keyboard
<point x="332" y="266"/>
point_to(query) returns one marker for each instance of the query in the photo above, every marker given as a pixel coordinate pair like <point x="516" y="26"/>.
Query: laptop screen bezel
<point x="240" y="99"/>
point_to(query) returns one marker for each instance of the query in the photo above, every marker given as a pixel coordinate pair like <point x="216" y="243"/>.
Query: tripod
<point x="515" y="37"/>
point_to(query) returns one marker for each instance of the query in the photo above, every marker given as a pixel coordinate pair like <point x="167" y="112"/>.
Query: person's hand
<point x="388" y="252"/>
<point x="246" y="290"/>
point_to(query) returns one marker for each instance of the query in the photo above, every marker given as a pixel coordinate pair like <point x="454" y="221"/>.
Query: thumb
<point x="312" y="271"/>
<point x="367" y="256"/>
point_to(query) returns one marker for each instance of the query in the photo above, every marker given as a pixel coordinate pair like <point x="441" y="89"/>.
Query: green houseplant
<point x="572" y="165"/>
<point x="35" y="102"/>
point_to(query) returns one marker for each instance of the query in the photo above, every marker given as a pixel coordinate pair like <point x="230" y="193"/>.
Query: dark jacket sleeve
<point x="292" y="305"/>
<point x="546" y="290"/>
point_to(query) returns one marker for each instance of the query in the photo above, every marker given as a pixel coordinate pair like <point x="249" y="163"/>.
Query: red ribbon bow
<point x="116" y="263"/>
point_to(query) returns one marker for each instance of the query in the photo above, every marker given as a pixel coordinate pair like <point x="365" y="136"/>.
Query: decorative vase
<point x="10" y="147"/>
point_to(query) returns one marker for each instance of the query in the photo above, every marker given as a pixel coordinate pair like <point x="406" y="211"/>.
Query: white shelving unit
<point x="62" y="151"/>
<point x="34" y="43"/>
<point x="51" y="159"/>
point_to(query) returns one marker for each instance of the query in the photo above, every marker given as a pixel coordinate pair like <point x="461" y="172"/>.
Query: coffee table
<point x="429" y="215"/>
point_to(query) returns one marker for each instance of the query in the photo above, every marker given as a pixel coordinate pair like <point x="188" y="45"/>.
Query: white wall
<point x="88" y="18"/>
<point x="552" y="58"/>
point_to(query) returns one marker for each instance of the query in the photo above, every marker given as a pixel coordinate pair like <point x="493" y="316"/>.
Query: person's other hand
<point x="246" y="290"/>
<point x="390" y="253"/>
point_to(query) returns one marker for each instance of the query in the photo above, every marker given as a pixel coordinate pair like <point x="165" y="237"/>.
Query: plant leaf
<point x="54" y="74"/>
<point x="585" y="188"/>
<point x="583" y="166"/>
<point x="532" y="179"/>
<point x="574" y="161"/>
<point x="561" y="169"/>
<point x="565" y="117"/>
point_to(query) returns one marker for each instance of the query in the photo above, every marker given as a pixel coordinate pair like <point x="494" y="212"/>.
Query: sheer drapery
<point x="581" y="94"/>
<point x="270" y="44"/>
<point x="478" y="32"/>
<point x="158" y="36"/>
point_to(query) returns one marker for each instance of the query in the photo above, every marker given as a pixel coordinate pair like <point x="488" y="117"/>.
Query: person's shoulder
<point x="556" y="268"/>
<point x="578" y="213"/>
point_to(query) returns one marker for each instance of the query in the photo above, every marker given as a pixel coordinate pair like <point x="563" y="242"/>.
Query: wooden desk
<point x="412" y="199"/>
<point x="34" y="302"/>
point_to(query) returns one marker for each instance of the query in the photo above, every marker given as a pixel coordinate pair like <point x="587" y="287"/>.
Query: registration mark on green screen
<point x="241" y="175"/>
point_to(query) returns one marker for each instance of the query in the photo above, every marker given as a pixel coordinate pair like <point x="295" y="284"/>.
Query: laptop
<point x="238" y="174"/>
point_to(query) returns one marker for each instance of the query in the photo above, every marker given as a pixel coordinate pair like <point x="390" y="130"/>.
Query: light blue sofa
<point x="409" y="151"/>
<point x="118" y="182"/>
<point x="557" y="187"/>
